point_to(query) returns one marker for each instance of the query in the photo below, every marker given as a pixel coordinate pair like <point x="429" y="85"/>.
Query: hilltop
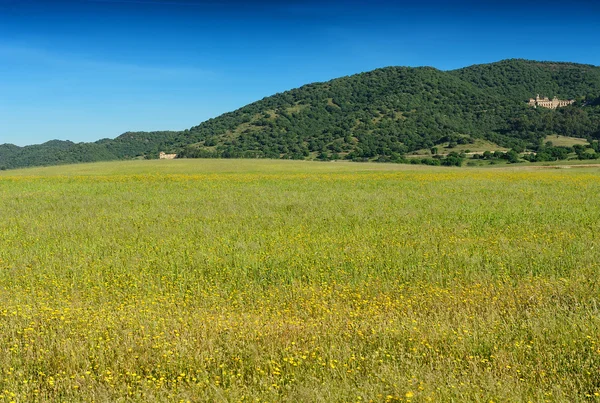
<point x="378" y="115"/>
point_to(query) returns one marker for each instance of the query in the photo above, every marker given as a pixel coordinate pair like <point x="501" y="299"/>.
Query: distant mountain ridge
<point x="55" y="152"/>
<point x="382" y="114"/>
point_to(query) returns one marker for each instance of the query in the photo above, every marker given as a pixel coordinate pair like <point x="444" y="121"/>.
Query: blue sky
<point x="82" y="70"/>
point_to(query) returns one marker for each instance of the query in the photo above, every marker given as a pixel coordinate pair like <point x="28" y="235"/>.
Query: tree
<point x="512" y="156"/>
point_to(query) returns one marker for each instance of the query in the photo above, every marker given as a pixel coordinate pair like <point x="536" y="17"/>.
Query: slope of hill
<point x="521" y="79"/>
<point x="391" y="111"/>
<point x="381" y="114"/>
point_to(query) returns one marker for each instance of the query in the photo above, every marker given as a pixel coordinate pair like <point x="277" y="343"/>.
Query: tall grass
<point x="296" y="281"/>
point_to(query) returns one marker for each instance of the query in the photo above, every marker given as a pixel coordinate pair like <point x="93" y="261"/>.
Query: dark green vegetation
<point x="380" y="115"/>
<point x="55" y="152"/>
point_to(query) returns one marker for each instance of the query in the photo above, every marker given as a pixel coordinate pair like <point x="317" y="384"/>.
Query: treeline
<point x="552" y="153"/>
<point x="574" y="121"/>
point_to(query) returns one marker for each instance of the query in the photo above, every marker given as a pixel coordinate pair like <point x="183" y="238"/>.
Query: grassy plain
<point x="479" y="146"/>
<point x="220" y="280"/>
<point x="566" y="141"/>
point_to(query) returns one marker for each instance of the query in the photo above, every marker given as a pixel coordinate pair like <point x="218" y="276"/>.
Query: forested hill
<point x="392" y="111"/>
<point x="522" y="79"/>
<point x="382" y="114"/>
<point x="126" y="146"/>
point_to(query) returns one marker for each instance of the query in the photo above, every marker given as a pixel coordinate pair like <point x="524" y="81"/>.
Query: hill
<point x="55" y="152"/>
<point x="382" y="114"/>
<point x="521" y="79"/>
<point x="391" y="111"/>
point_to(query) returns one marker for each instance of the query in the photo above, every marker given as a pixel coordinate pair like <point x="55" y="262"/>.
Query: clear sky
<point x="82" y="70"/>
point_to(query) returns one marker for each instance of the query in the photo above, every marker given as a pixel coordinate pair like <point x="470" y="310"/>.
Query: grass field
<point x="479" y="146"/>
<point x="216" y="280"/>
<point x="566" y="141"/>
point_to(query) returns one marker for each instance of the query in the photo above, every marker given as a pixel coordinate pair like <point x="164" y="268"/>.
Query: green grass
<point x="478" y="146"/>
<point x="217" y="280"/>
<point x="566" y="141"/>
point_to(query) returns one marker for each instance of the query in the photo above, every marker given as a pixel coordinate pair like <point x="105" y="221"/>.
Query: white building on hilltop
<point x="549" y="103"/>
<point x="164" y="156"/>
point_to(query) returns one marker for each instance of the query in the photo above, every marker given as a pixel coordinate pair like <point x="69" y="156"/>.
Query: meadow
<point x="243" y="281"/>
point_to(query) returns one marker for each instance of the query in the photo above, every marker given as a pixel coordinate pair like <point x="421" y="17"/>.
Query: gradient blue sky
<point x="88" y="69"/>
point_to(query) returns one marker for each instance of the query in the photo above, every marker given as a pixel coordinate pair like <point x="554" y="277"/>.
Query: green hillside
<point x="392" y="111"/>
<point x="521" y="79"/>
<point x="378" y="115"/>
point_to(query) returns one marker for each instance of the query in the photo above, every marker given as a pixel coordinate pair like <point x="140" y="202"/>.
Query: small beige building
<point x="164" y="156"/>
<point x="549" y="103"/>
